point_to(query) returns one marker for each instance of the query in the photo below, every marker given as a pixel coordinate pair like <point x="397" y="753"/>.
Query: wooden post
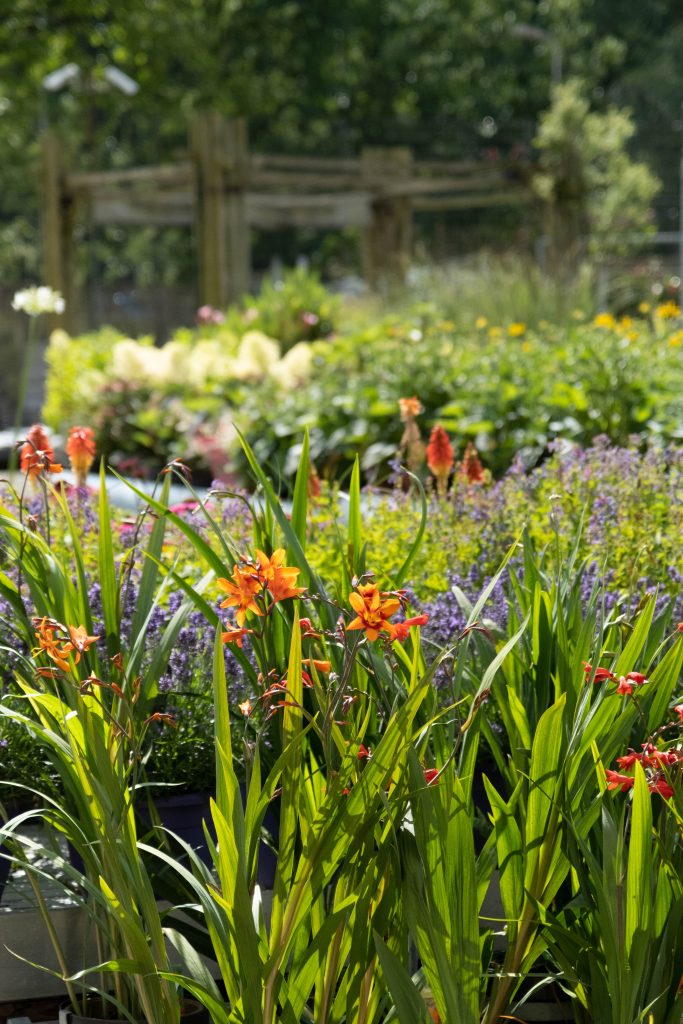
<point x="388" y="239"/>
<point x="220" y="154"/>
<point x="57" y="217"/>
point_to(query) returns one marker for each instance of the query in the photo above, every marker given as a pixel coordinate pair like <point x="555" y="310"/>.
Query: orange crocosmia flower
<point x="80" y="447"/>
<point x="440" y="453"/>
<point x="279" y="579"/>
<point x="372" y="613"/>
<point x="234" y="636"/>
<point x="402" y="629"/>
<point x="245" y="707"/>
<point x="37" y="454"/>
<point x="319" y="666"/>
<point x="242" y="591"/>
<point x="55" y="646"/>
<point x="80" y="639"/>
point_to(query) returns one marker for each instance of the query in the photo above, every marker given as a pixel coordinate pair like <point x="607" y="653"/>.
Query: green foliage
<point x="510" y="389"/>
<point x="295" y="308"/>
<point x="595" y="192"/>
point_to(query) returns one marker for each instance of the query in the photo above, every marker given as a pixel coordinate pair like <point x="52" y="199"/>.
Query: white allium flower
<point x="35" y="301"/>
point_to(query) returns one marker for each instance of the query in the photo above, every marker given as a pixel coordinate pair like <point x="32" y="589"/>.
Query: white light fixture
<point x="121" y="81"/>
<point x="62" y="77"/>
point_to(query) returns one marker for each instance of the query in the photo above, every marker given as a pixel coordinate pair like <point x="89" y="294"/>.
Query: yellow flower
<point x="527" y="346"/>
<point x="668" y="310"/>
<point x="644" y="308"/>
<point x="495" y="332"/>
<point x="516" y="330"/>
<point x="605" y="320"/>
<point x="481" y="322"/>
<point x="676" y="339"/>
<point x="626" y="322"/>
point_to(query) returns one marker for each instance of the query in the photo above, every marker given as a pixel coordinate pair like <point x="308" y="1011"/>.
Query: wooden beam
<point x="268" y="211"/>
<point x="262" y="161"/>
<point x="507" y="197"/>
<point x="159" y="209"/>
<point x="165" y="175"/>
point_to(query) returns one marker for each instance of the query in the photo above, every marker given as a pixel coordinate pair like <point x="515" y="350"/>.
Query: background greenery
<point x="449" y="79"/>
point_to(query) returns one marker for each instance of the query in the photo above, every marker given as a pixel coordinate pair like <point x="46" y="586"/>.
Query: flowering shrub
<point x="508" y="389"/>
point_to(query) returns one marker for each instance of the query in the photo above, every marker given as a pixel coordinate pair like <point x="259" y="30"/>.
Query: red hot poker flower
<point x="80" y="447"/>
<point x="440" y="456"/>
<point x="471" y="470"/>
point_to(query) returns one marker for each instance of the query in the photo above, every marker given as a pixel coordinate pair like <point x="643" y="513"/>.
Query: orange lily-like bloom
<point x="80" y="447"/>
<point x="242" y="591"/>
<point x="234" y="636"/>
<point x="37" y="454"/>
<point x="279" y="579"/>
<point x="319" y="666"/>
<point x="440" y="456"/>
<point x="80" y="639"/>
<point x="402" y="629"/>
<point x="58" y="642"/>
<point x="372" y="612"/>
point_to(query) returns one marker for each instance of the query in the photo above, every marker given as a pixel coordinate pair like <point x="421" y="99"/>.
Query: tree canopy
<point x="449" y="77"/>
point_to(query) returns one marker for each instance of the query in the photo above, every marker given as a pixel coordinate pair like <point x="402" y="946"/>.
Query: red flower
<point x="601" y="674"/>
<point x="679" y="711"/>
<point x="363" y="753"/>
<point x="636" y="677"/>
<point x="661" y="786"/>
<point x="402" y="629"/>
<point x="471" y="470"/>
<point x="624" y="687"/>
<point x="430" y="775"/>
<point x="440" y="456"/>
<point x="617" y="781"/>
<point x="80" y="448"/>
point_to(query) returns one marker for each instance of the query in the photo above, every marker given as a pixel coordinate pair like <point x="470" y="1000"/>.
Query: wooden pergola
<point x="223" y="190"/>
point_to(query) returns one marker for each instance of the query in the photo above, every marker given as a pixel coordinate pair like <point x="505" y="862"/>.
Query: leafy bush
<point x="295" y="308"/>
<point x="511" y="390"/>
